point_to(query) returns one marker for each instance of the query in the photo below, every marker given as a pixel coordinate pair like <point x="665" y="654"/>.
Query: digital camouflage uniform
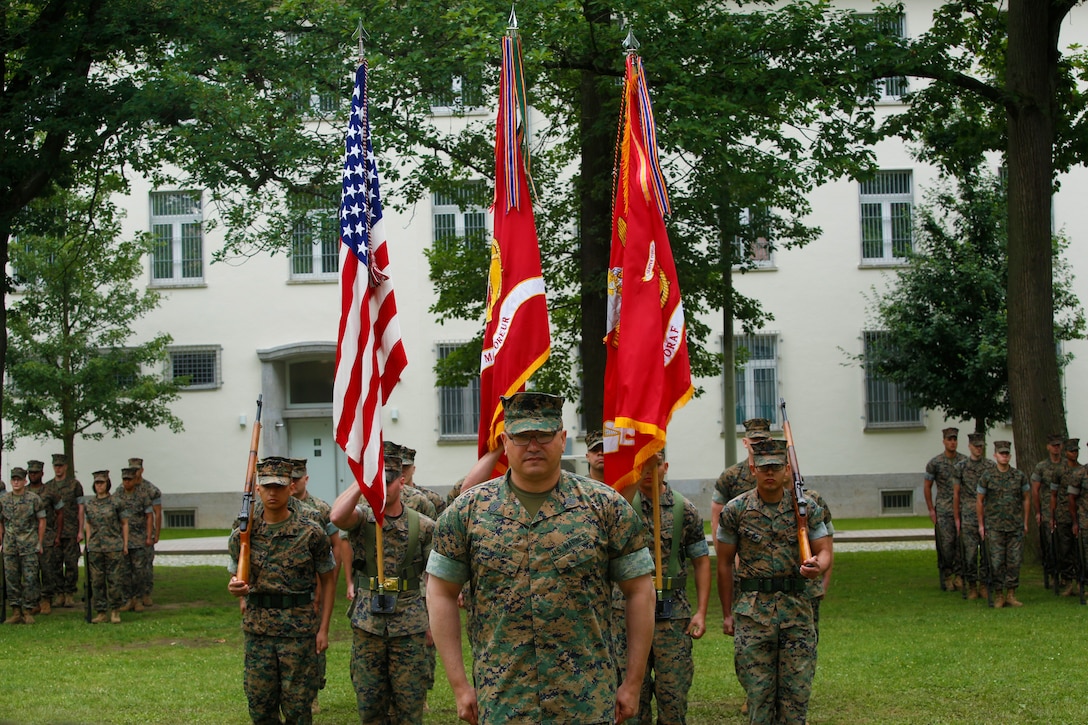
<point x="1003" y="518"/>
<point x="138" y="505"/>
<point x="971" y="472"/>
<point x="434" y="497"/>
<point x="734" y="481"/>
<point x="50" y="565"/>
<point x="20" y="516"/>
<point x="50" y="531"/>
<point x="105" y="549"/>
<point x="280" y="623"/>
<point x="669" y="669"/>
<point x="539" y="605"/>
<point x="66" y="556"/>
<point x="1045" y="474"/>
<point x="774" y="631"/>
<point x="388" y="656"/>
<point x="816" y="586"/>
<point x="155" y="495"/>
<point x="943" y="471"/>
<point x="323" y="512"/>
<point x="415" y="500"/>
<point x="1067" y="565"/>
<point x="1076" y="489"/>
<point x="455" y="491"/>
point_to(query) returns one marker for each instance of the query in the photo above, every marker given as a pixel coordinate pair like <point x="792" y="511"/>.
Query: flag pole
<point x="656" y="498"/>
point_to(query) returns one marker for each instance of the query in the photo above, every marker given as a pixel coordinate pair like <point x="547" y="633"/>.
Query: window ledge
<point x="456" y="440"/>
<point x="453" y="111"/>
<point x="755" y="268"/>
<point x="331" y="279"/>
<point x="883" y="264"/>
<point x="897" y="427"/>
<point x="172" y="284"/>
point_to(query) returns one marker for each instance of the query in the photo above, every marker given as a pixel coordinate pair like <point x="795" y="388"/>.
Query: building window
<point x="892" y="88"/>
<point x="752" y="247"/>
<point x="177" y="252"/>
<point x="756" y="381"/>
<point x="886" y="403"/>
<point x="897" y="502"/>
<point x="196" y="367"/>
<point x="458" y="217"/>
<point x="458" y="408"/>
<point x="310" y="382"/>
<point x="887" y="202"/>
<point x="315" y="239"/>
<point x="462" y="90"/>
<point x="179" y="519"/>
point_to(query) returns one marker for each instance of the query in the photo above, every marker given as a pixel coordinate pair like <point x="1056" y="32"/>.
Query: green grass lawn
<point x="893" y="649"/>
<point x="193" y="533"/>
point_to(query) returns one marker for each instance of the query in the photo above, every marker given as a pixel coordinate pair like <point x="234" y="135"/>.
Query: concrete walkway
<point x="886" y="539"/>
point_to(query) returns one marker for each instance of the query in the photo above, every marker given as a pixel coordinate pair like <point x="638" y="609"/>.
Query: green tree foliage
<point x="945" y="316"/>
<point x="71" y="370"/>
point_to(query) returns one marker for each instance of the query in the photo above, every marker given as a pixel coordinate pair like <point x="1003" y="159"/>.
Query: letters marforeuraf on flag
<point x="517" y="340"/>
<point x="370" y="354"/>
<point x="647" y="374"/>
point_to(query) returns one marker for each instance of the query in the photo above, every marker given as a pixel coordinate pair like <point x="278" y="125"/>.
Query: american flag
<point x="370" y="354"/>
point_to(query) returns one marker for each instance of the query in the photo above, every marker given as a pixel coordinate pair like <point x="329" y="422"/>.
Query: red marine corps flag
<point x="647" y="375"/>
<point x="516" y="336"/>
<point x="370" y="354"/>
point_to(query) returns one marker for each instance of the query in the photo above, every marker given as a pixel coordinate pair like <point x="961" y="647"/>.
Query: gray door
<point x="311" y="438"/>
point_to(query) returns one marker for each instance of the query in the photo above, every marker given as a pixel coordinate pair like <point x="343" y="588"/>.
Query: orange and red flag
<point x="647" y="374"/>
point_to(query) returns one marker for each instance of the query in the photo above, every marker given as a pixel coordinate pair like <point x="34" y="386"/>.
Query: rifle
<point x="1055" y="579"/>
<point x="963" y="556"/>
<point x="800" y="505"/>
<point x="3" y="592"/>
<point x="244" y="528"/>
<point x="87" y="591"/>
<point x="989" y="573"/>
<point x="1082" y="565"/>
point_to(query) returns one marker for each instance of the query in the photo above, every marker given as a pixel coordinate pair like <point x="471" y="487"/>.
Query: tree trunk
<point x="1034" y="383"/>
<point x="595" y="230"/>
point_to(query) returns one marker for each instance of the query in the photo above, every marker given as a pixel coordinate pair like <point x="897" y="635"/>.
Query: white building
<point x="267" y="325"/>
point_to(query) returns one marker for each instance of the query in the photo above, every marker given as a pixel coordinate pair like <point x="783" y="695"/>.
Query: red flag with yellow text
<point x="517" y="340"/>
<point x="647" y="374"/>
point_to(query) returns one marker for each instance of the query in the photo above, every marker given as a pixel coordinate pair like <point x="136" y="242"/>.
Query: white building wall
<point x="817" y="295"/>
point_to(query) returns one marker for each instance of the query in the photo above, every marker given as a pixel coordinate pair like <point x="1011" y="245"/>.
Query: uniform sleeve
<point x="449" y="559"/>
<point x="694" y="539"/>
<point x="931" y="471"/>
<point x="321" y="549"/>
<point x="720" y="487"/>
<point x="628" y="541"/>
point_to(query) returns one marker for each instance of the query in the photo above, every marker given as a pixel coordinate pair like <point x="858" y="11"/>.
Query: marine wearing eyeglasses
<point x="540" y="549"/>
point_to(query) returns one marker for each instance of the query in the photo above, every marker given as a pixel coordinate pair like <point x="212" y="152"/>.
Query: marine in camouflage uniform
<point x="1004" y="504"/>
<point x="289" y="554"/>
<point x="36" y="484"/>
<point x="942" y="472"/>
<point x="1062" y="520"/>
<point x="388" y="653"/>
<point x="1047" y="471"/>
<point x="140" y="524"/>
<point x="105" y="522"/>
<point x="595" y="455"/>
<point x="300" y="477"/>
<point x="738" y="478"/>
<point x="669" y="668"/>
<point x="818" y="587"/>
<point x="65" y="557"/>
<point x="1078" y="510"/>
<point x="408" y="465"/>
<point x="155" y="494"/>
<point x="975" y="567"/>
<point x="540" y="549"/>
<point x="770" y="613"/>
<point x="22" y="532"/>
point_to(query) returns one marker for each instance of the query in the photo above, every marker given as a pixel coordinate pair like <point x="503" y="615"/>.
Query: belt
<point x="674" y="583"/>
<point x="394" y="584"/>
<point x="279" y="601"/>
<point x="768" y="585"/>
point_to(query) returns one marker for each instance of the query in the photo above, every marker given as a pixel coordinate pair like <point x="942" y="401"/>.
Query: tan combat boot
<point x="973" y="592"/>
<point x="115" y="618"/>
<point x="1011" y="600"/>
<point x="44" y="604"/>
<point x="983" y="592"/>
<point x="136" y="606"/>
<point x="69" y="600"/>
<point x="100" y="618"/>
<point x="957" y="583"/>
<point x="58" y="600"/>
<point x="28" y="618"/>
<point x="129" y="605"/>
<point x="1067" y="591"/>
<point x="146" y="600"/>
<point x="16" y="616"/>
<point x="949" y="583"/>
<point x="37" y="609"/>
<point x="999" y="599"/>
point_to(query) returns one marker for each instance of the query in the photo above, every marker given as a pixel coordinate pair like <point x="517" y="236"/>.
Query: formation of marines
<point x="980" y="529"/>
<point x="120" y="531"/>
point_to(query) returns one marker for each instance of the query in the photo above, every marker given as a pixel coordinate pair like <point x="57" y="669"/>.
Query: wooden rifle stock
<point x="800" y="505"/>
<point x="248" y="490"/>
